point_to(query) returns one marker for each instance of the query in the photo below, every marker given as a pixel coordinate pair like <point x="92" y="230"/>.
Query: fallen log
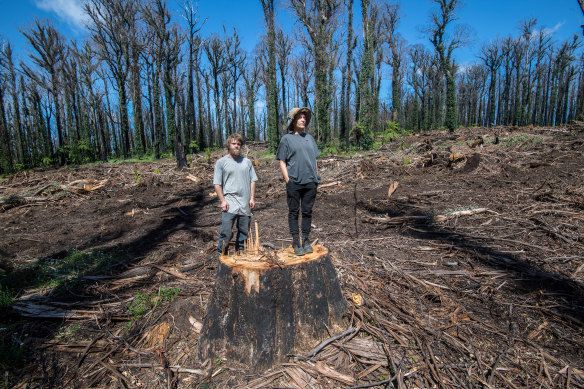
<point x="399" y="220"/>
<point x="51" y="312"/>
<point x="455" y="214"/>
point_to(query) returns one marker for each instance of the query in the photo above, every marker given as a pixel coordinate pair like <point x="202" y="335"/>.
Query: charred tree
<point x="111" y="34"/>
<point x="491" y="57"/>
<point x="283" y="51"/>
<point x="194" y="41"/>
<point x="218" y="61"/>
<point x="168" y="42"/>
<point x="367" y="86"/>
<point x="48" y="44"/>
<point x="136" y="46"/>
<point x="444" y="47"/>
<point x="271" y="84"/>
<point x="236" y="59"/>
<point x="251" y="77"/>
<point x="397" y="46"/>
<point x="319" y="19"/>
<point x="202" y="140"/>
<point x="345" y="120"/>
<point x="6" y="161"/>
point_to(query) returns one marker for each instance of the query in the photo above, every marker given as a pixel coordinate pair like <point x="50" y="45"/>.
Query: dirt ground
<point x="469" y="274"/>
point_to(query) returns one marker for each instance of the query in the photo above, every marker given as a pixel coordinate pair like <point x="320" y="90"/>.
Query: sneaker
<point x="298" y="250"/>
<point x="306" y="246"/>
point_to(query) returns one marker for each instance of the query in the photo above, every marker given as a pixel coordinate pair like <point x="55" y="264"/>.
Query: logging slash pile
<point x="460" y="257"/>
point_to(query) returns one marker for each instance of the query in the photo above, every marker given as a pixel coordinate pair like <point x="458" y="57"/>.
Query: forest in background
<point x="146" y="83"/>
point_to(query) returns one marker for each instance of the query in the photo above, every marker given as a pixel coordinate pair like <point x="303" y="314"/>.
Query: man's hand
<point x="284" y="170"/>
<point x="252" y="197"/>
<point x="219" y="191"/>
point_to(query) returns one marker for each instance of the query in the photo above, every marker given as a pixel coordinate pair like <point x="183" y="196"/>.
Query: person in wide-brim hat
<point x="297" y="154"/>
<point x="292" y="116"/>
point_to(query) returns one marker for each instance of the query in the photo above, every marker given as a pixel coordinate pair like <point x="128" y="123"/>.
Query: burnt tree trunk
<point x="265" y="308"/>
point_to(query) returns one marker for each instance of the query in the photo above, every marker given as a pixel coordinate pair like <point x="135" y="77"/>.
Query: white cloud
<point x="71" y="11"/>
<point x="551" y="31"/>
<point x="463" y="67"/>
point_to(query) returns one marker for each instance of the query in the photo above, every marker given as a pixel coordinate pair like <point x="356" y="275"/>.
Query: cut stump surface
<point x="268" y="305"/>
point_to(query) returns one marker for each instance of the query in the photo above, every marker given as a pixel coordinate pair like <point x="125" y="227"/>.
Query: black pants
<point x="300" y="196"/>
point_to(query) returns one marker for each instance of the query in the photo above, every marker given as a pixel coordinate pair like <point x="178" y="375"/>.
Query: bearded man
<point x="234" y="181"/>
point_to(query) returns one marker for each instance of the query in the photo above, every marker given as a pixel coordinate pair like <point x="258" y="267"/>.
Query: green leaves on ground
<point x="143" y="303"/>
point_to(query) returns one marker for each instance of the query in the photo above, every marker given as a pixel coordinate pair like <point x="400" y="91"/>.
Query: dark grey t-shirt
<point x="299" y="151"/>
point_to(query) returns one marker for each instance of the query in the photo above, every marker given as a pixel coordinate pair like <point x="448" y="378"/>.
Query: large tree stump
<point x="268" y="305"/>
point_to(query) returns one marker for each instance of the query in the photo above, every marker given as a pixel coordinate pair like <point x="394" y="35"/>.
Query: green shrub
<point x="331" y="148"/>
<point x="518" y="139"/>
<point x="58" y="273"/>
<point x="139" y="306"/>
<point x="194" y="146"/>
<point x="167" y="294"/>
<point x="66" y="332"/>
<point x="363" y="138"/>
<point x="10" y="353"/>
<point x="267" y="155"/>
<point x="143" y="303"/>
<point x="357" y="133"/>
<point x="392" y="131"/>
<point x="367" y="141"/>
<point x="76" y="153"/>
<point x="6" y="297"/>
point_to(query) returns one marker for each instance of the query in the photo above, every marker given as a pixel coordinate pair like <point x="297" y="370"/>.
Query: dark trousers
<point x="300" y="197"/>
<point x="225" y="233"/>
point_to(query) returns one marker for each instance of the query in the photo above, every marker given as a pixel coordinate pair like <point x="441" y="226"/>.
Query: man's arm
<point x="252" y="198"/>
<point x="224" y="204"/>
<point x="284" y="171"/>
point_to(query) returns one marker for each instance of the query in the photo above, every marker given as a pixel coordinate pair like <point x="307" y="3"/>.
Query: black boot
<point x="306" y="245"/>
<point x="298" y="250"/>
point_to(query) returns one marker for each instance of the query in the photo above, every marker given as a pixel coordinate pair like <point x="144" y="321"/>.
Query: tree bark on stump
<point x="269" y="306"/>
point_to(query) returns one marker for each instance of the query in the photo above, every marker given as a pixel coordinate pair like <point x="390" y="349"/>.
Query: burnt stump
<point x="267" y="306"/>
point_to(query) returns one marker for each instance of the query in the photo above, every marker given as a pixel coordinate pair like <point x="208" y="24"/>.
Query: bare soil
<point x="469" y="274"/>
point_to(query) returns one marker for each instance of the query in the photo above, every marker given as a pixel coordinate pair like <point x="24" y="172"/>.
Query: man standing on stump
<point x="234" y="182"/>
<point x="297" y="154"/>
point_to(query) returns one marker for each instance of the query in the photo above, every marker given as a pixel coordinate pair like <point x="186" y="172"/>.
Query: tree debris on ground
<point x="454" y="275"/>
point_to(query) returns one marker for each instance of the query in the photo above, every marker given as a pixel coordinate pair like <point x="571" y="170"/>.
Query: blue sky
<point x="488" y="19"/>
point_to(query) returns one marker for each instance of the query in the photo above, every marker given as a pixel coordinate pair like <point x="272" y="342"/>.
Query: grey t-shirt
<point x="235" y="177"/>
<point x="299" y="151"/>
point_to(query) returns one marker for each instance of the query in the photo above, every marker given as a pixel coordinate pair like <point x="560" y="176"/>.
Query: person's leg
<point x="242" y="231"/>
<point x="293" y="200"/>
<point x="308" y="196"/>
<point x="227" y="220"/>
<point x="307" y="202"/>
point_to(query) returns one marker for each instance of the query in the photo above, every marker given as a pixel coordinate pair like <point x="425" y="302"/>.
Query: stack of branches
<point x="51" y="192"/>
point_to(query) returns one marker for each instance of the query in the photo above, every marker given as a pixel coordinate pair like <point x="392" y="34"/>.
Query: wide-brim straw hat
<point x="295" y="112"/>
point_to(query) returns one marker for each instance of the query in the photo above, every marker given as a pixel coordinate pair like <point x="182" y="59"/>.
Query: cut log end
<point x="270" y="304"/>
<point x="262" y="260"/>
